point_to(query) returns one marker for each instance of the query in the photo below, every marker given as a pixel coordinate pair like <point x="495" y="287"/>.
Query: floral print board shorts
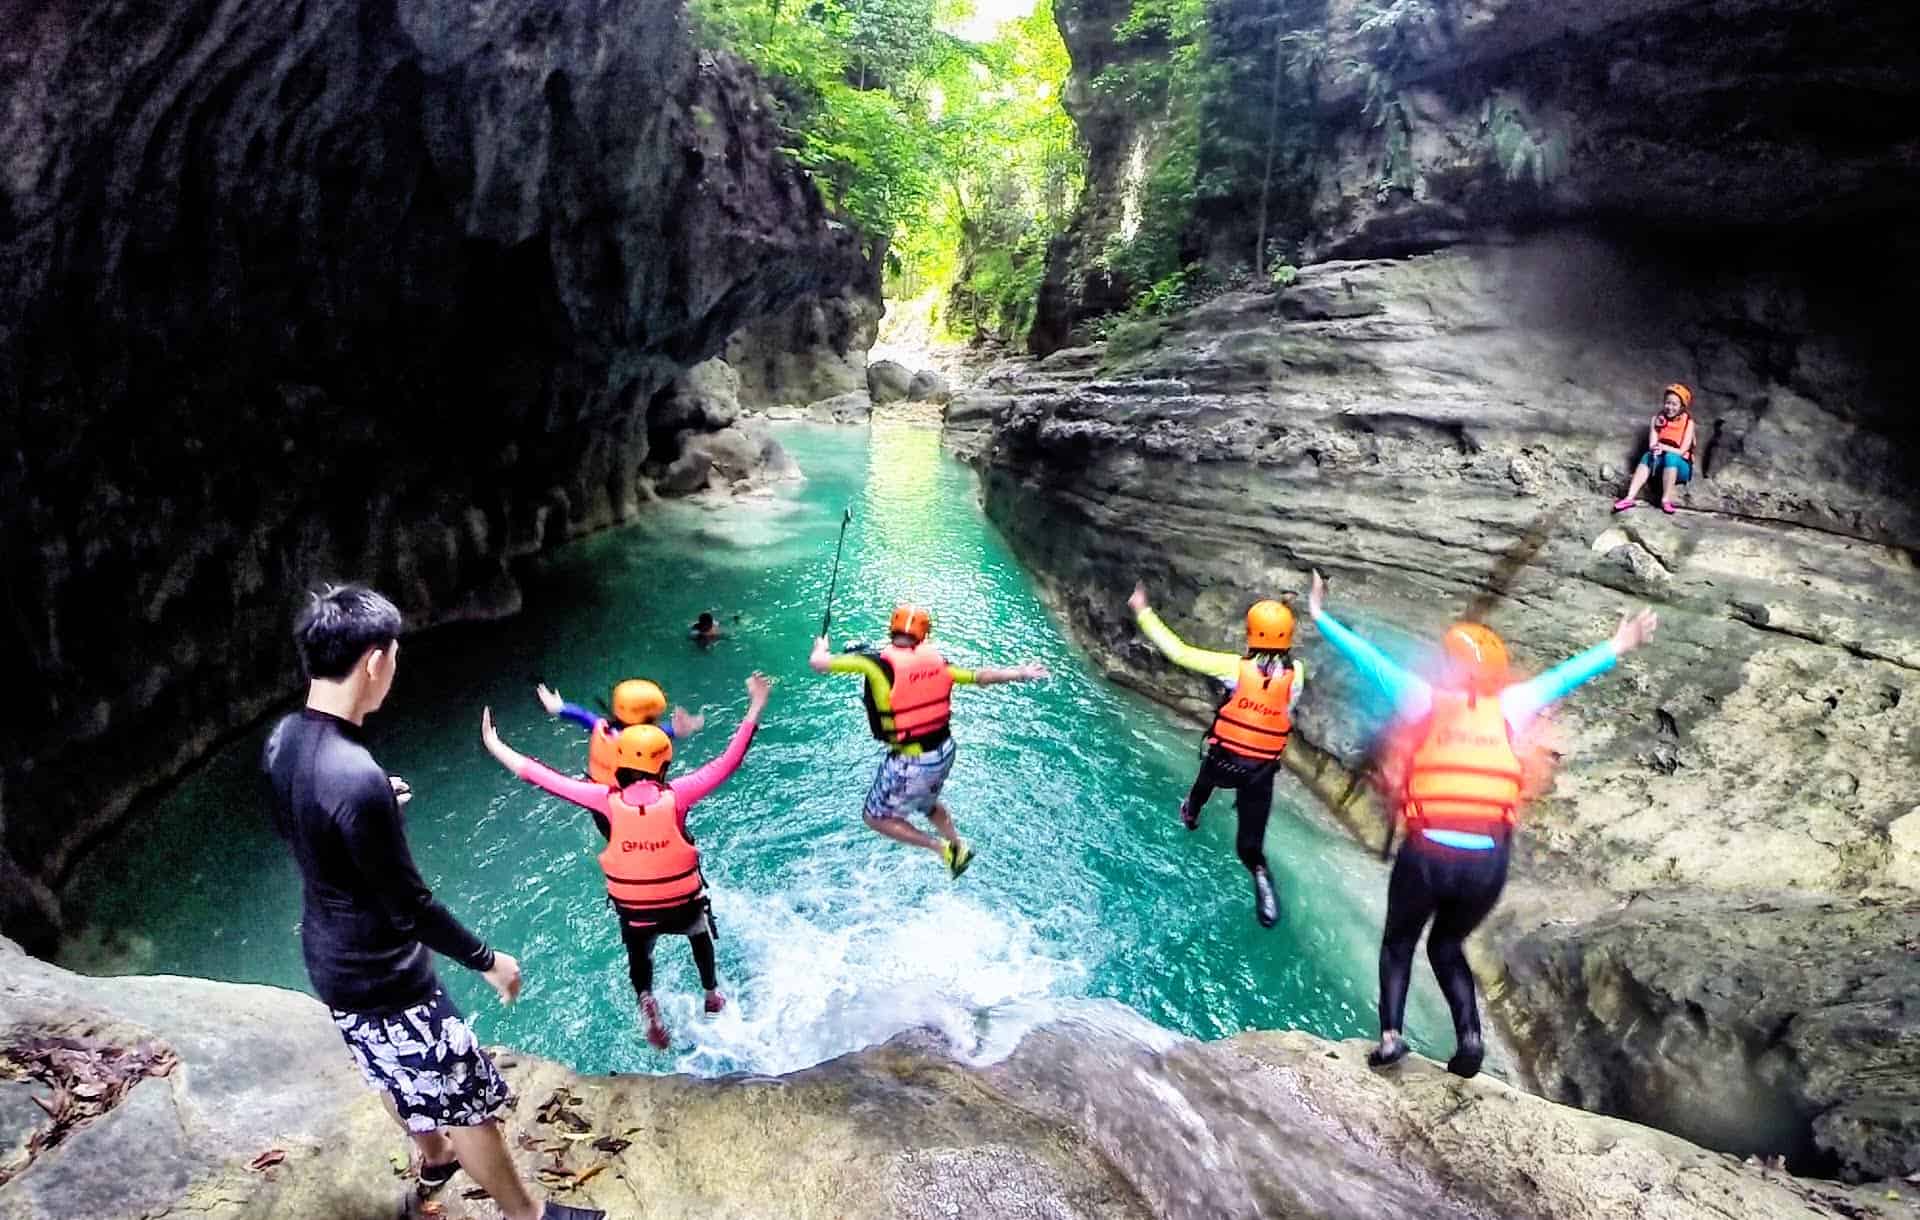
<point x="427" y="1059"/>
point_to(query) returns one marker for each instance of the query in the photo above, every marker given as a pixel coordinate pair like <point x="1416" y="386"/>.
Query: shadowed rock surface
<point x="334" y="289"/>
<point x="1080" y="1122"/>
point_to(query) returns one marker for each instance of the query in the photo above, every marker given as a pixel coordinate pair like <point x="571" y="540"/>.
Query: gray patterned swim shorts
<point x="427" y="1059"/>
<point x="909" y="784"/>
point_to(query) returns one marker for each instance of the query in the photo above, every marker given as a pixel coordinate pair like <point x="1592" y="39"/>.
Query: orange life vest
<point x="1257" y="715"/>
<point x="922" y="698"/>
<point x="602" y="762"/>
<point x="1670" y="432"/>
<point x="649" y="862"/>
<point x="1464" y="775"/>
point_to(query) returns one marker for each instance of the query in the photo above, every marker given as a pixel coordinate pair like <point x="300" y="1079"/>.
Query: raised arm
<point x="1221" y="665"/>
<point x="990" y="676"/>
<point x="582" y="792"/>
<point x="556" y="706"/>
<point x="701" y="782"/>
<point x="1411" y="696"/>
<point x="1523" y="701"/>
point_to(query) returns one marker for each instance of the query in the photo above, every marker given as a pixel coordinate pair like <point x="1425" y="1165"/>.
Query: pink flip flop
<point x="1666" y="506"/>
<point x="1621" y="506"/>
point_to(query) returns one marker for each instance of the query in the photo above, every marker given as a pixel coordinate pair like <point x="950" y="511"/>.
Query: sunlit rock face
<point x="333" y="289"/>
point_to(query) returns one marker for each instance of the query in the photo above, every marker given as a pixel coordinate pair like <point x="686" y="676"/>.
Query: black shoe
<point x="1266" y="907"/>
<point x="1392" y="1049"/>
<point x="560" y="1211"/>
<point x="1189" y="816"/>
<point x="1467" y="1056"/>
<point x="433" y="1177"/>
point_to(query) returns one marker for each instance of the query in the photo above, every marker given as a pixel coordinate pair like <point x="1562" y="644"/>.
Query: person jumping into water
<point x="635" y="702"/>
<point x="909" y="690"/>
<point x="1670" y="441"/>
<point x="652" y="867"/>
<point x="1249" y="732"/>
<point x="369" y="927"/>
<point x="1460" y="791"/>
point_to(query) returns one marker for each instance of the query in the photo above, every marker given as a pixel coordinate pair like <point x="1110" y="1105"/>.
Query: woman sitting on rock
<point x="1669" y="450"/>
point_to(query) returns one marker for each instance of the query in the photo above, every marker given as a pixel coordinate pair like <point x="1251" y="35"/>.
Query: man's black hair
<point x="339" y="625"/>
<point x="705" y="620"/>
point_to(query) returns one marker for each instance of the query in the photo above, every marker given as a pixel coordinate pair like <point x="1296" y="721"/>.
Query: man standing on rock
<point x="368" y="922"/>
<point x="1460" y="789"/>
<point x="1249" y="732"/>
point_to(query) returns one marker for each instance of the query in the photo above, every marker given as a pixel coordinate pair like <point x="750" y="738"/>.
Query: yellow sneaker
<point x="957" y="856"/>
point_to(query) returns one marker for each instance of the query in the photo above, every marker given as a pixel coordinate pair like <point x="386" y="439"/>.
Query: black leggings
<point x="1252" y="784"/>
<point x="1456" y="889"/>
<point x="639" y="942"/>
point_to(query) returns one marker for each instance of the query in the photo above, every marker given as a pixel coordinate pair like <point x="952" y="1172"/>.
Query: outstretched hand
<point x="1635" y="629"/>
<point x="1138" y="601"/>
<point x="686" y="723"/>
<point x="758" y="687"/>
<point x="402" y="790"/>
<point x="1032" y="671"/>
<point x="549" y="699"/>
<point x="489" y="736"/>
<point x="1317" y="594"/>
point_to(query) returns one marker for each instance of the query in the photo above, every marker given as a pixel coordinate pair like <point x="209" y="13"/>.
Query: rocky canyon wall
<point x="1716" y="907"/>
<point x="299" y="290"/>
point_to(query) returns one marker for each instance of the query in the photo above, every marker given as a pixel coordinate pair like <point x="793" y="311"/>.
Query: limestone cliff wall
<point x="305" y="289"/>
<point x="1410" y="124"/>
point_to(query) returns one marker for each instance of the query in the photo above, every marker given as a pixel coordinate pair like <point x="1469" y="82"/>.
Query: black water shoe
<point x="1266" y="906"/>
<point x="1392" y="1049"/>
<point x="1468" y="1056"/>
<point x="1189" y="816"/>
<point x="560" y="1211"/>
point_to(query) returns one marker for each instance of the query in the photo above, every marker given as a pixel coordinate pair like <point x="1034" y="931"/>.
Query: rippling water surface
<point x="1086" y="891"/>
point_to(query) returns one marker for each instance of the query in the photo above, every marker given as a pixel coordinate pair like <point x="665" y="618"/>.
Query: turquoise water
<point x="1086" y="891"/>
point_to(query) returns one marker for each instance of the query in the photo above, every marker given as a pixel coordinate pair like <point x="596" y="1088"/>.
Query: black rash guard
<point x="367" y="919"/>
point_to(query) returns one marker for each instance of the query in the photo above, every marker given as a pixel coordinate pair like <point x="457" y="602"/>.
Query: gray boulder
<point x="888" y="382"/>
<point x="929" y="386"/>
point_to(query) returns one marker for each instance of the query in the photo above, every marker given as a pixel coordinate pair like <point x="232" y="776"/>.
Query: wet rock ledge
<point x="1077" y="1123"/>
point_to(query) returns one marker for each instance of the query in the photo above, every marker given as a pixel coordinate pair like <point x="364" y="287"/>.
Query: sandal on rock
<point x="1666" y="506"/>
<point x="1622" y="505"/>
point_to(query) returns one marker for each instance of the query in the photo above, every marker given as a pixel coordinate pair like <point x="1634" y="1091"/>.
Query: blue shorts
<point x="909" y="784"/>
<point x="427" y="1059"/>
<point x="1669" y="459"/>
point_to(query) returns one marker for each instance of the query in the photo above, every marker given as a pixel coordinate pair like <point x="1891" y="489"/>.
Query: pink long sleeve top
<point x="688" y="790"/>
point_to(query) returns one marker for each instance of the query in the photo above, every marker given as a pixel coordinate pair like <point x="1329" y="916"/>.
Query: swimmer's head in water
<point x="911" y="621"/>
<point x="1269" y="627"/>
<point x="705" y="621"/>
<point x="644" y="749"/>
<point x="1476" y="658"/>
<point x="638" y="701"/>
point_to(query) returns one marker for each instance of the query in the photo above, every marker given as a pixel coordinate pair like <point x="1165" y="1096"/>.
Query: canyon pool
<point x="1088" y="901"/>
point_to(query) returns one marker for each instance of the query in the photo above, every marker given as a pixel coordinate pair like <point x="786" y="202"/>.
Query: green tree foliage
<point x="954" y="156"/>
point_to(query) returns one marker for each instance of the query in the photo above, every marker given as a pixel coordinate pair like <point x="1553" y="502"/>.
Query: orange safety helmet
<point x="1269" y="627"/>
<point x="912" y="620"/>
<point x="643" y="748"/>
<point x="638" y="701"/>
<point x="1682" y="393"/>
<point x="1477" y="655"/>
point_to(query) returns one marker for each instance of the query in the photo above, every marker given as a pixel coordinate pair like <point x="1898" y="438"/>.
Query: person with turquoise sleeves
<point x="1460" y="787"/>
<point x="1249" y="732"/>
